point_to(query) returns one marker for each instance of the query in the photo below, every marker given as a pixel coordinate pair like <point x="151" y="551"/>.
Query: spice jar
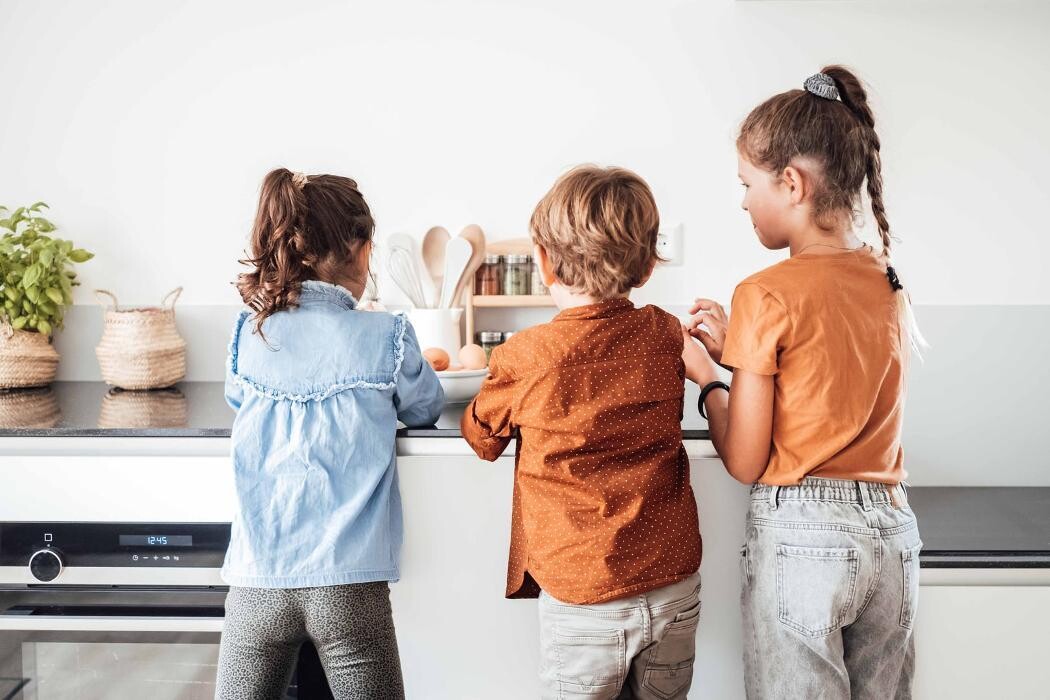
<point x="537" y="286"/>
<point x="516" y="270"/>
<point x="488" y="280"/>
<point x="488" y="340"/>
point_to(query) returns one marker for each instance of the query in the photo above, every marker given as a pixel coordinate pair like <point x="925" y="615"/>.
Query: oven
<point x="117" y="610"/>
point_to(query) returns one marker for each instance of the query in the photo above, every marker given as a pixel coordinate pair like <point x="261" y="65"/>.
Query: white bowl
<point x="461" y="385"/>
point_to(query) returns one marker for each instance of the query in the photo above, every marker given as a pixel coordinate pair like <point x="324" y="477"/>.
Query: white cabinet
<point x="982" y="642"/>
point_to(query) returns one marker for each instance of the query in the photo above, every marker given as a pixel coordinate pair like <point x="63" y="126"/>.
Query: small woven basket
<point x="141" y="348"/>
<point x="27" y="358"/>
<point x="29" y="408"/>
<point x="162" y="408"/>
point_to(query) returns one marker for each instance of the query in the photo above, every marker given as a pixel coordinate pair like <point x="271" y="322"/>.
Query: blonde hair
<point x="599" y="227"/>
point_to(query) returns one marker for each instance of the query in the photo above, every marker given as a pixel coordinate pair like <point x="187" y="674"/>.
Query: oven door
<point x="162" y="644"/>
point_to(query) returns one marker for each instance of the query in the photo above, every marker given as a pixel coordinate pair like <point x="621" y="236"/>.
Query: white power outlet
<point x="669" y="244"/>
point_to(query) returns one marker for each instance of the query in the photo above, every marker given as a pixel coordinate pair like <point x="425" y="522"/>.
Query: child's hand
<point x="699" y="367"/>
<point x="713" y="317"/>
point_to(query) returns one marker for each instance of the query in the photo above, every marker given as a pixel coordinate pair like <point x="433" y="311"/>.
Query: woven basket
<point x="27" y="358"/>
<point x="162" y="408"/>
<point x="29" y="408"/>
<point x="141" y="348"/>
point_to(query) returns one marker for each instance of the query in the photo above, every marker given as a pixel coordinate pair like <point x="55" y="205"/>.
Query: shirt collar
<point x="325" y="291"/>
<point x="603" y="309"/>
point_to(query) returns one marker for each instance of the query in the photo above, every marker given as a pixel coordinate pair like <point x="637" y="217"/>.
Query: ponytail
<point x="306" y="227"/>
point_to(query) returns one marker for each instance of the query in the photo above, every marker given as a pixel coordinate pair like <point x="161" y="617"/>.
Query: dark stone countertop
<point x="189" y="409"/>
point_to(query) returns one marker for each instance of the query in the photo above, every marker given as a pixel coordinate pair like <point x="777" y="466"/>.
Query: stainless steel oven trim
<point x="71" y="623"/>
<point x="117" y="576"/>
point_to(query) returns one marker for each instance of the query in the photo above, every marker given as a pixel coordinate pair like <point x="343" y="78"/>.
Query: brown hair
<point x="839" y="136"/>
<point x="306" y="227"/>
<point x="598" y="227"/>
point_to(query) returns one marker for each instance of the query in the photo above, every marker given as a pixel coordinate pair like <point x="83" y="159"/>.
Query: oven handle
<point x="73" y="623"/>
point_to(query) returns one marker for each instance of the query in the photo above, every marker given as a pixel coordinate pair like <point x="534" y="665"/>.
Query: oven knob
<point x="45" y="565"/>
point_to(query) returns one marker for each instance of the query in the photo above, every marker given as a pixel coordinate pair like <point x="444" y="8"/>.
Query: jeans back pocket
<point x="910" y="598"/>
<point x="669" y="671"/>
<point x="815" y="587"/>
<point x="590" y="662"/>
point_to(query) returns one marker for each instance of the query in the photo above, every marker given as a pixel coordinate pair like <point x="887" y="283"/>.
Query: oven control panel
<point x="48" y="548"/>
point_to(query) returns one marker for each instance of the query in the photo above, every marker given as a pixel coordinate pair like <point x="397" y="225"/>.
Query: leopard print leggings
<point x="350" y="625"/>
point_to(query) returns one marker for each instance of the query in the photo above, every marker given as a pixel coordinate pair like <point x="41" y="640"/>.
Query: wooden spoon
<point x="434" y="243"/>
<point x="457" y="258"/>
<point x="476" y="237"/>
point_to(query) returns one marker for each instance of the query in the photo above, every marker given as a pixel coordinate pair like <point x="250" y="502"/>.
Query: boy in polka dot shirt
<point x="604" y="528"/>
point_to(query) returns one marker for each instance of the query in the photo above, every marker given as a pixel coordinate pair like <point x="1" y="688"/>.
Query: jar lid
<point x="517" y="259"/>
<point x="490" y="337"/>
<point x="493" y="259"/>
<point x="507" y="335"/>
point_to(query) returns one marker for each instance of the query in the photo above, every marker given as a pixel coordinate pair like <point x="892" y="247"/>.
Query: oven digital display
<point x="156" y="540"/>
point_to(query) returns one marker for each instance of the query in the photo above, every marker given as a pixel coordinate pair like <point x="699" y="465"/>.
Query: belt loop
<point x="865" y="494"/>
<point x="774" y="493"/>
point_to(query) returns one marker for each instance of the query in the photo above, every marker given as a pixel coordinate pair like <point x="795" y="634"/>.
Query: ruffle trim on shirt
<point x="401" y="325"/>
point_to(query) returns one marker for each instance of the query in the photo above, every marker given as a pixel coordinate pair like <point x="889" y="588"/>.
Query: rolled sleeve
<point x="488" y="423"/>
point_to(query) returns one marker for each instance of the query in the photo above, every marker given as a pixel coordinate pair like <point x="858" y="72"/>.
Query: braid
<point x="853" y="95"/>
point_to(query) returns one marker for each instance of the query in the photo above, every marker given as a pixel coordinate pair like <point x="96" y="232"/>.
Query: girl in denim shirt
<point x="319" y="386"/>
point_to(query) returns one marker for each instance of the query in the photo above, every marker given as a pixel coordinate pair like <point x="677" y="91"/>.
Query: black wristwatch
<point x="708" y="388"/>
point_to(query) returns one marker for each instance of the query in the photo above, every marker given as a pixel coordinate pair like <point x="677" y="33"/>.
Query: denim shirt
<point x="317" y="404"/>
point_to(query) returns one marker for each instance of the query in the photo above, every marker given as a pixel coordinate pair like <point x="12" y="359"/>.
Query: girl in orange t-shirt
<point x="818" y="345"/>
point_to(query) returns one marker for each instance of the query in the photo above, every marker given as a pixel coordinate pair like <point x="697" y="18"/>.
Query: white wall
<point x="148" y="126"/>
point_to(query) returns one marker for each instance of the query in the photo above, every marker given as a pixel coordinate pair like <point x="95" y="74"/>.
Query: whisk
<point x="404" y="272"/>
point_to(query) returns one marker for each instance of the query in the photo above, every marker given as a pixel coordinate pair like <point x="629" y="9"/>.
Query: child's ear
<point x="796" y="184"/>
<point x="539" y="254"/>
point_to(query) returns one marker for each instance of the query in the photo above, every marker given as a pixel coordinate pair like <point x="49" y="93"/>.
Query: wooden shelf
<point x="509" y="300"/>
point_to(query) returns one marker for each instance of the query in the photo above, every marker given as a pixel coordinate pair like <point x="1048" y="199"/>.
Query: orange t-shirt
<point x="826" y="328"/>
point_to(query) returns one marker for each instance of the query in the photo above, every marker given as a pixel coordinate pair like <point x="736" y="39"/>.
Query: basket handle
<point x="111" y="295"/>
<point x="173" y="295"/>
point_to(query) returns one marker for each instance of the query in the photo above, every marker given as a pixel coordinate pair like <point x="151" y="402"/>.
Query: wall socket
<point x="670" y="244"/>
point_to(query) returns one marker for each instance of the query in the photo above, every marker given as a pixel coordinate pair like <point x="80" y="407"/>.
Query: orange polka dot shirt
<point x="602" y="504"/>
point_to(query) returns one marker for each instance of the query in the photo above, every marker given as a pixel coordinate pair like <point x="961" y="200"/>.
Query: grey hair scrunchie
<point x="821" y="85"/>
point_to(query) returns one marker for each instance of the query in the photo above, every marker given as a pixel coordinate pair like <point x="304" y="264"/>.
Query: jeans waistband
<point x="866" y="493"/>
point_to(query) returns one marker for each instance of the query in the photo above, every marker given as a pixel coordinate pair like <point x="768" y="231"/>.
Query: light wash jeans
<point x="640" y="646"/>
<point x="831" y="583"/>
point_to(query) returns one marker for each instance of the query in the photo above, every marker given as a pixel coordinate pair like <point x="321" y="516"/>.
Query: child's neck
<point x="567" y="299"/>
<point x="819" y="241"/>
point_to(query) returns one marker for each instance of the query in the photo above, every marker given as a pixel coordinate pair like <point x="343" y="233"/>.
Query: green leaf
<point x="12" y="294"/>
<point x="8" y="224"/>
<point x="47" y="256"/>
<point x="65" y="247"/>
<point x="80" y="255"/>
<point x="38" y="206"/>
<point x="33" y="294"/>
<point x="54" y="295"/>
<point x="43" y="225"/>
<point x="32" y="275"/>
<point x="44" y="327"/>
<point x="19" y="323"/>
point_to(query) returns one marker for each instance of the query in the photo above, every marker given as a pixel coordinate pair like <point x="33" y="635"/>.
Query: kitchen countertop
<point x="962" y="527"/>
<point x="189" y="409"/>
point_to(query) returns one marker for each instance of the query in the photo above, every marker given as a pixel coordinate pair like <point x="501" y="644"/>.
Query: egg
<point x="473" y="356"/>
<point x="437" y="358"/>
